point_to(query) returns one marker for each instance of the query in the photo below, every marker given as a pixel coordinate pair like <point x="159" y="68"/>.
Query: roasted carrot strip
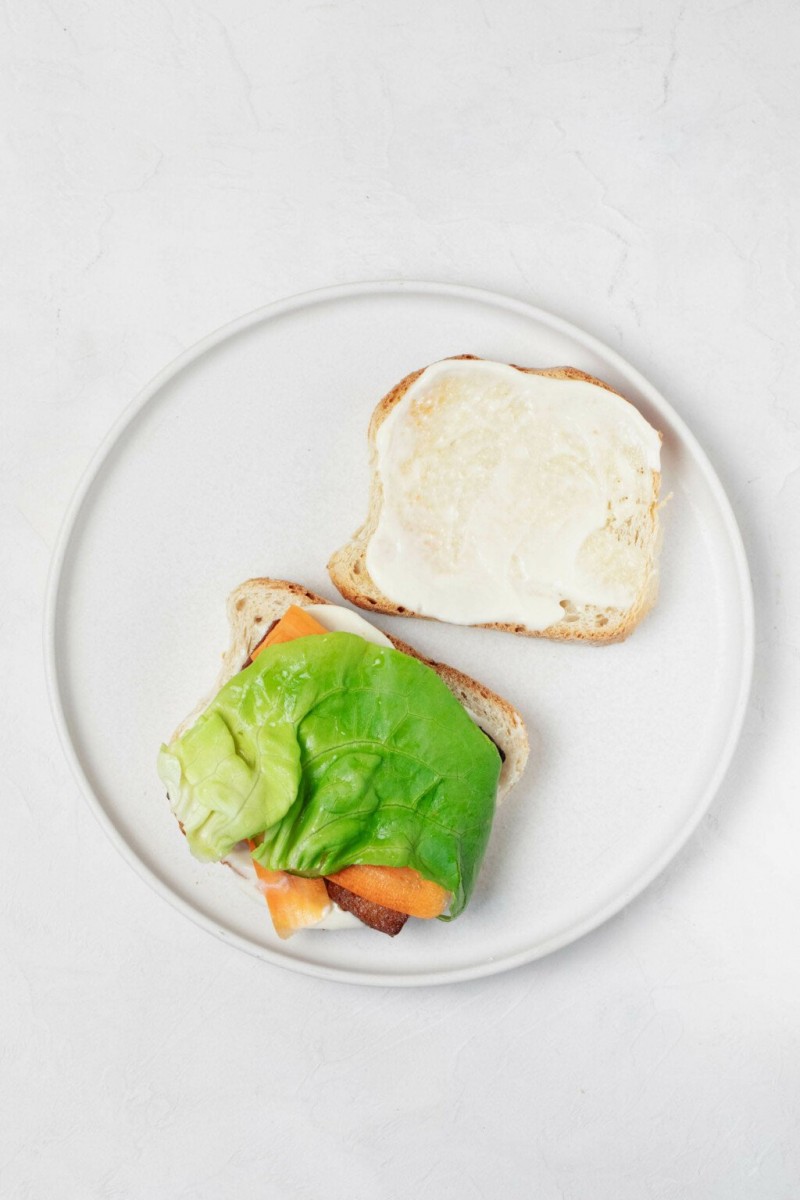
<point x="400" y="888"/>
<point x="294" y="623"/>
<point x="293" y="902"/>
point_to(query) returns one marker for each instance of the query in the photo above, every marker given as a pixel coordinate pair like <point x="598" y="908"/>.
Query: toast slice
<point x="633" y="528"/>
<point x="256" y="605"/>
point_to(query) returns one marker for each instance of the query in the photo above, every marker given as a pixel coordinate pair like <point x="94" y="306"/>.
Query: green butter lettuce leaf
<point x="336" y="752"/>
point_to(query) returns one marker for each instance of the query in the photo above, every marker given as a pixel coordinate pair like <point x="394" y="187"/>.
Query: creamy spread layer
<point x="506" y="494"/>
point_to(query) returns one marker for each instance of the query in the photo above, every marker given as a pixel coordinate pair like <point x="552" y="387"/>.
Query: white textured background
<point x="631" y="166"/>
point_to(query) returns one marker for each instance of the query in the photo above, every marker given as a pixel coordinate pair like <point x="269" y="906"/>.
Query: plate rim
<point x="197" y="350"/>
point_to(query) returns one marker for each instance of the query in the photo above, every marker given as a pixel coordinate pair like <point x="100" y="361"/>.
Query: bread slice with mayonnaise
<point x="255" y="607"/>
<point x="514" y="498"/>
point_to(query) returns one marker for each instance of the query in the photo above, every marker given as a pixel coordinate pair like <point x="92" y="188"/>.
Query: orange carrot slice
<point x="295" y="623"/>
<point x="400" y="888"/>
<point x="294" y="902"/>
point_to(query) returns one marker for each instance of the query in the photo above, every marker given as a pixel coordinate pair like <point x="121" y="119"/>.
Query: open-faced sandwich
<point x="337" y="772"/>
<point x="519" y="498"/>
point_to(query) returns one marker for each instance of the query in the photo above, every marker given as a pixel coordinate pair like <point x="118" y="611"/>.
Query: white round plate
<point x="248" y="456"/>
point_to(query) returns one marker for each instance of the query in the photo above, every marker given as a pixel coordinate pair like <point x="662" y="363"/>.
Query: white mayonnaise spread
<point x="344" y="620"/>
<point x="505" y="493"/>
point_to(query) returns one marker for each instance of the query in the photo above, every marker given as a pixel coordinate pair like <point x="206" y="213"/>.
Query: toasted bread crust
<point x="348" y="571"/>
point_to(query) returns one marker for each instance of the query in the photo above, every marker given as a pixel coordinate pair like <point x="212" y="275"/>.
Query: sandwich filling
<point x="507" y="496"/>
<point x="335" y="758"/>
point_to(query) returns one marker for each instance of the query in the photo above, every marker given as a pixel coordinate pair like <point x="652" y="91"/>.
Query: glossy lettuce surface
<point x="335" y="751"/>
